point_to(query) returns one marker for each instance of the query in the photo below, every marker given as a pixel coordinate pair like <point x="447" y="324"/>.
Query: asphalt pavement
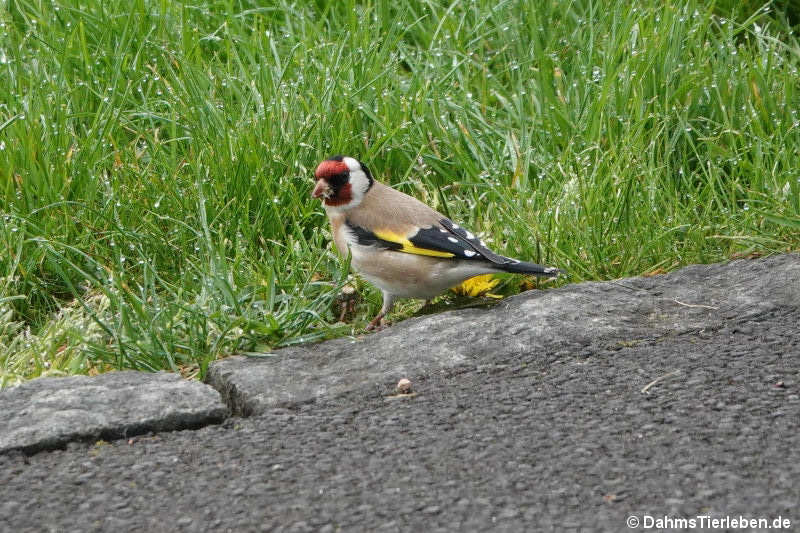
<point x="699" y="424"/>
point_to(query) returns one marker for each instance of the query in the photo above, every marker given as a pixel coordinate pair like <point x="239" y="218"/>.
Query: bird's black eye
<point x="338" y="180"/>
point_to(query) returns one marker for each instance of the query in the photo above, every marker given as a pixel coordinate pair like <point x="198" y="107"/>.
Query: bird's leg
<point x="376" y="322"/>
<point x="388" y="303"/>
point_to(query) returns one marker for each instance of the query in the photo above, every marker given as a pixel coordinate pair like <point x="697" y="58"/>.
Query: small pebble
<point x="403" y="386"/>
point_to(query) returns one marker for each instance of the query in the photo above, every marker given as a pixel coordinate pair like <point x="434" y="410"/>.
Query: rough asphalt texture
<point x="552" y="436"/>
<point x="47" y="413"/>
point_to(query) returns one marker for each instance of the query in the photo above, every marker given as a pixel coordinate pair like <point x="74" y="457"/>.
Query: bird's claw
<point x="376" y="324"/>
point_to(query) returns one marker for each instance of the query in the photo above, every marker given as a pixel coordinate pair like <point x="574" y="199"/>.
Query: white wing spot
<point x="456" y="226"/>
<point x="443" y="230"/>
<point x="469" y="253"/>
<point x="452" y="239"/>
<point x="470" y="235"/>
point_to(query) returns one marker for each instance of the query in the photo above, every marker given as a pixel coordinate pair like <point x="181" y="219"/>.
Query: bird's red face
<point x="333" y="182"/>
<point x="341" y="182"/>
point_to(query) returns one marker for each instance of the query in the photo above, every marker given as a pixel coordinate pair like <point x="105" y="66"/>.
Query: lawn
<point x="156" y="157"/>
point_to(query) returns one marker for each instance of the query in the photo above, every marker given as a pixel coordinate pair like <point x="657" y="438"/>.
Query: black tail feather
<point x="521" y="267"/>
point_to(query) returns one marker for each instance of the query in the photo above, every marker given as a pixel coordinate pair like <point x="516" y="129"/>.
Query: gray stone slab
<point x="49" y="412"/>
<point x="566" y="321"/>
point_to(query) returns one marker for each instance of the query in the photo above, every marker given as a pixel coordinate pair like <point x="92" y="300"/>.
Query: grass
<point x="156" y="157"/>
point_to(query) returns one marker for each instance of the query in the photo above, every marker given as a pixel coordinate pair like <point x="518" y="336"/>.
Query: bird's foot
<point x="377" y="323"/>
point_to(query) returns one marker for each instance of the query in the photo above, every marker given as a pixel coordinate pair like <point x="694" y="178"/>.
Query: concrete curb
<point x="47" y="413"/>
<point x="572" y="319"/>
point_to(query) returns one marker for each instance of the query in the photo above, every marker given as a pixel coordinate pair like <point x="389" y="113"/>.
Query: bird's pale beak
<point x="321" y="189"/>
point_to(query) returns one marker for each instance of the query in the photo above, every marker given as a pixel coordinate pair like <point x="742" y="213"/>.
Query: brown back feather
<point x="385" y="208"/>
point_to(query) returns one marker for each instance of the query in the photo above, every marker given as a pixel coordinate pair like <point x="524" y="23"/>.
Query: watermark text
<point x="647" y="521"/>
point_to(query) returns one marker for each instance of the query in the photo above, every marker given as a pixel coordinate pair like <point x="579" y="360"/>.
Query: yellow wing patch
<point x="407" y="246"/>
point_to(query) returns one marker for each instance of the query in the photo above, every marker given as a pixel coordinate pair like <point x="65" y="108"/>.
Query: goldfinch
<point x="398" y="243"/>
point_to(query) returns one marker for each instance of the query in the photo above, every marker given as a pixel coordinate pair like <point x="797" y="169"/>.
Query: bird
<point x="398" y="243"/>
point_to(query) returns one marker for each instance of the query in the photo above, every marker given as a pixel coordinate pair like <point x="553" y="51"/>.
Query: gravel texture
<point x="563" y="437"/>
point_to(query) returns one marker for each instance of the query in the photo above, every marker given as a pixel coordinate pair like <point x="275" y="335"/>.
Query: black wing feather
<point x="435" y="238"/>
<point x="365" y="237"/>
<point x="451" y="239"/>
<point x="471" y="242"/>
<point x="503" y="263"/>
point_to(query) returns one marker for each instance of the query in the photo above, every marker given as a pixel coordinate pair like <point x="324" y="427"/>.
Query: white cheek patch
<point x="358" y="186"/>
<point x="359" y="182"/>
<point x="351" y="163"/>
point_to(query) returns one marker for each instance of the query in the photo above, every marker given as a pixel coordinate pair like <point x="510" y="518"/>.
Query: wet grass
<point x="156" y="157"/>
